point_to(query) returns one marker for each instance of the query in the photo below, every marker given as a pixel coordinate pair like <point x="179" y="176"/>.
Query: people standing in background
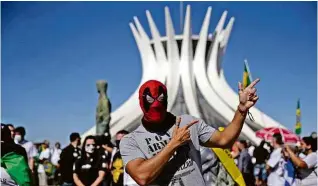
<point x="119" y="175"/>
<point x="210" y="165"/>
<point x="43" y="160"/>
<point x="19" y="138"/>
<point x="90" y="168"/>
<point x="106" y="152"/>
<point x="67" y="159"/>
<point x="11" y="127"/>
<point x="56" y="152"/>
<point x="290" y="172"/>
<point x="235" y="152"/>
<point x="250" y="148"/>
<point x="213" y="171"/>
<point x="275" y="164"/>
<point x="245" y="163"/>
<point x="307" y="166"/>
<point x="261" y="155"/>
<point x="14" y="161"/>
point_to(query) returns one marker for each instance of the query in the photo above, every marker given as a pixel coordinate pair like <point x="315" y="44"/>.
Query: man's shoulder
<point x="129" y="139"/>
<point x="19" y="149"/>
<point x="67" y="149"/>
<point x="311" y="156"/>
<point x="27" y="143"/>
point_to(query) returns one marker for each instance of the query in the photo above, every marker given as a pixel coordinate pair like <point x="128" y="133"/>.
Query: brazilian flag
<point x="247" y="77"/>
<point x="298" y="116"/>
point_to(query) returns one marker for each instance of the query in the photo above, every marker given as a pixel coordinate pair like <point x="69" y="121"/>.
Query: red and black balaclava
<point x="153" y="101"/>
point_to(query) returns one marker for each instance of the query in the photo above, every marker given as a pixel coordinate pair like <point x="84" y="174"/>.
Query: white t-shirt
<point x="45" y="154"/>
<point x="276" y="162"/>
<point x="251" y="150"/>
<point x="29" y="148"/>
<point x="55" y="155"/>
<point x="309" y="175"/>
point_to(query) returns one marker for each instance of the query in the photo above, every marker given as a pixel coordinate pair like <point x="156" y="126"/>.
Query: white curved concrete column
<point x="176" y="69"/>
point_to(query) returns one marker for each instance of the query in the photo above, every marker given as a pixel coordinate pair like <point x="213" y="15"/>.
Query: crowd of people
<point x="276" y="163"/>
<point x="98" y="162"/>
<point x="164" y="150"/>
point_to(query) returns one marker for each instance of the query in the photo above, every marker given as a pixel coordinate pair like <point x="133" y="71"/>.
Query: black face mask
<point x="117" y="143"/>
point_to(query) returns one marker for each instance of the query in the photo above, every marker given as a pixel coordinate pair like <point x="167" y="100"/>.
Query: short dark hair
<point x="122" y="132"/>
<point x="312" y="142"/>
<point x="74" y="136"/>
<point x="20" y="130"/>
<point x="244" y="143"/>
<point x="278" y="138"/>
<point x="6" y="134"/>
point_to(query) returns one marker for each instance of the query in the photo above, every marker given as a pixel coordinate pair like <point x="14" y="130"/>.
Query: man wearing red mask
<point x="164" y="149"/>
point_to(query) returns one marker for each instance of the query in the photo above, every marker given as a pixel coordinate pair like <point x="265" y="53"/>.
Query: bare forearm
<point x="99" y="179"/>
<point x="233" y="130"/>
<point x="77" y="181"/>
<point x="296" y="160"/>
<point x="108" y="149"/>
<point x="150" y="169"/>
<point x="31" y="164"/>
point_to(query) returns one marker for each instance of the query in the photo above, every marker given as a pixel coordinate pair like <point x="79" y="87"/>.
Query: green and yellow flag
<point x="247" y="77"/>
<point x="298" y="116"/>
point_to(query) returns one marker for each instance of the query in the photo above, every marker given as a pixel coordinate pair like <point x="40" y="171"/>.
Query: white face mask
<point x="17" y="138"/>
<point x="89" y="148"/>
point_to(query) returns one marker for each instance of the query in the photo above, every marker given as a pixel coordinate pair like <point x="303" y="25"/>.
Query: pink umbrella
<point x="267" y="134"/>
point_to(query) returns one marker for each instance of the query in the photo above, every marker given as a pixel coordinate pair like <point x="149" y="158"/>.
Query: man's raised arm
<point x="146" y="171"/>
<point x="226" y="138"/>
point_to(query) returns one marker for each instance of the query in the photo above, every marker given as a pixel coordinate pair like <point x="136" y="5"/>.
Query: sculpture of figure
<point x="103" y="109"/>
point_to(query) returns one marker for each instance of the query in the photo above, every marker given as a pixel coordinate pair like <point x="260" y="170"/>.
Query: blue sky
<point x="53" y="53"/>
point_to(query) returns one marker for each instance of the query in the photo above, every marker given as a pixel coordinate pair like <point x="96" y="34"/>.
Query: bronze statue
<point x="103" y="109"/>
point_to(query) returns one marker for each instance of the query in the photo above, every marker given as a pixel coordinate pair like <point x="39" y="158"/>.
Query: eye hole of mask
<point x="149" y="99"/>
<point x="160" y="98"/>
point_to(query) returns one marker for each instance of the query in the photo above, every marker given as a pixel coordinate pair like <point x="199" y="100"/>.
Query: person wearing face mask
<point x="19" y="138"/>
<point x="307" y="167"/>
<point x="90" y="169"/>
<point x="165" y="149"/>
<point x="14" y="168"/>
<point x="67" y="159"/>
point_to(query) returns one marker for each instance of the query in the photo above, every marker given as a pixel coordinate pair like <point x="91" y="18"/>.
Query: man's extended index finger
<point x="192" y="123"/>
<point x="254" y="83"/>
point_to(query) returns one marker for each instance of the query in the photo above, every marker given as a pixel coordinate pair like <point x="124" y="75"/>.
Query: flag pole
<point x="248" y="69"/>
